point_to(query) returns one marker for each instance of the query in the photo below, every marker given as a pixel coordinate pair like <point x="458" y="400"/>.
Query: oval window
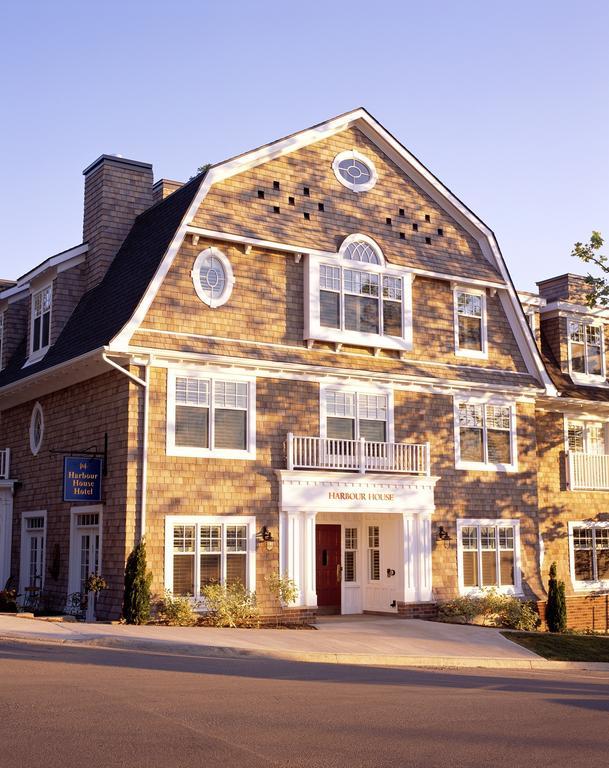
<point x="36" y="429"/>
<point x="354" y="171"/>
<point x="213" y="278"/>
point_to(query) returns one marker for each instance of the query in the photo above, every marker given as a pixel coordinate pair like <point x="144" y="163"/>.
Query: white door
<point x="31" y="577"/>
<point x="85" y="549"/>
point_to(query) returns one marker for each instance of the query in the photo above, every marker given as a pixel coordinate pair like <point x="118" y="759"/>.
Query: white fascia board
<point x="564" y="309"/>
<point x="60" y="261"/>
<point x="573" y="406"/>
<point x="164" y="358"/>
<point x="213" y="234"/>
<point x="531" y="299"/>
<point x="441" y="194"/>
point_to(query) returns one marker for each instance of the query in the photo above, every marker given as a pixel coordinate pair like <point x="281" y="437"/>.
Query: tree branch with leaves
<point x="589" y="254"/>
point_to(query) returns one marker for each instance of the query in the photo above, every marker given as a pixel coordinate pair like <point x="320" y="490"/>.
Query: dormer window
<point x="354" y="297"/>
<point x="586" y="358"/>
<point x="41" y="320"/>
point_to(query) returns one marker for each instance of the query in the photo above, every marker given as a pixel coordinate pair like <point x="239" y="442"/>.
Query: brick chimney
<point x="116" y="191"/>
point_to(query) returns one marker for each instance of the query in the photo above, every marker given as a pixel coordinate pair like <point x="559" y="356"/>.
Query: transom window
<point x="209" y="416"/>
<point x="487" y="554"/>
<point x="590" y="552"/>
<point x="41" y="318"/>
<point x="587" y="437"/>
<point x="486" y="436"/>
<point x="206" y="552"/>
<point x="352" y="415"/>
<point x="470" y="325"/>
<point x="586" y="348"/>
<point x="358" y="250"/>
<point x="213" y="277"/>
<point x="354" y="171"/>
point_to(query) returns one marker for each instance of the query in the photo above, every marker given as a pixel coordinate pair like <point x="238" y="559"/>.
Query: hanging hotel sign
<point x="82" y="478"/>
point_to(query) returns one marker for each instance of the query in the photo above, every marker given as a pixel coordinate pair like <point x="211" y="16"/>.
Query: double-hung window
<point x="589" y="551"/>
<point x="488" y="552"/>
<point x="41" y="320"/>
<point x="353" y="415"/>
<point x="354" y="297"/>
<point x="210" y="416"/>
<point x="485" y="435"/>
<point x="586" y="437"/>
<point x="470" y="322"/>
<point x="203" y="550"/>
<point x="586" y="358"/>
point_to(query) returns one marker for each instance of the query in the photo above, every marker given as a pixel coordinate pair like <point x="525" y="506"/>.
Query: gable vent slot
<point x="402" y="236"/>
<point x="402" y="213"/>
<point x="320" y="206"/>
<point x="428" y="240"/>
<point x="427" y="217"/>
<point x="261" y="194"/>
<point x="291" y="201"/>
<point x="388" y="221"/>
<point x="307" y="216"/>
<point x="276" y="209"/>
<point x="415" y="227"/>
<point x="306" y="192"/>
<point x="276" y="185"/>
<point x="440" y="231"/>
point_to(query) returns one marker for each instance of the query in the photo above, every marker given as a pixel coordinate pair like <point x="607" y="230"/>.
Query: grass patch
<point x="563" y="647"/>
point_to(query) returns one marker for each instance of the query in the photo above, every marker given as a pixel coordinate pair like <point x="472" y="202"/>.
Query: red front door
<point x="328" y="566"/>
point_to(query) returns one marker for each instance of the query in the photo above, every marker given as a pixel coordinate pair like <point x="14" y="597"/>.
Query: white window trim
<point x="74" y="555"/>
<point x="354" y="186"/>
<point x="480" y="465"/>
<point x="357" y="583"/>
<point x="587" y="379"/>
<point x="24" y="553"/>
<point x="516" y="588"/>
<point x="578" y="585"/>
<point x="223" y="520"/>
<point x="379" y="389"/>
<point x="228" y="272"/>
<point x="312" y="325"/>
<point x="35" y="449"/>
<point x="218" y="453"/>
<point x="479" y="354"/>
<point x="36" y="356"/>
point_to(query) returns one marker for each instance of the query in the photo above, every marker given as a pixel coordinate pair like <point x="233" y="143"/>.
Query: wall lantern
<point x="443" y="535"/>
<point x="266" y="536"/>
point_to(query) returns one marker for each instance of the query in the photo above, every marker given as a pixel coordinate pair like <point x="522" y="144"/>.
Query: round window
<point x="354" y="171"/>
<point x="212" y="277"/>
<point x="36" y="429"/>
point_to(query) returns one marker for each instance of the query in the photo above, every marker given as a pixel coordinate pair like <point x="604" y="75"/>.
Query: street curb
<point x="315" y="657"/>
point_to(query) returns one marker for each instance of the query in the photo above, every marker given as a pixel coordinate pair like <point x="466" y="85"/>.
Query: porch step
<point x="424" y="611"/>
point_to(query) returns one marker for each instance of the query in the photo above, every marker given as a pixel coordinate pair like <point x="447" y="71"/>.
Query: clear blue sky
<point x="507" y="102"/>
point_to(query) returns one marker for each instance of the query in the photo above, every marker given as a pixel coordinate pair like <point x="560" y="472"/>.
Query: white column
<point x="409" y="551"/>
<point x="424" y="591"/>
<point x="309" y="560"/>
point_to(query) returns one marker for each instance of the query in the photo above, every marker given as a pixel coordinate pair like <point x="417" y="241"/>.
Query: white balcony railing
<point x="588" y="471"/>
<point x="357" y="455"/>
<point x="5" y="463"/>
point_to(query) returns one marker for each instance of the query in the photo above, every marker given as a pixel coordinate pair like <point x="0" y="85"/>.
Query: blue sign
<point x="82" y="479"/>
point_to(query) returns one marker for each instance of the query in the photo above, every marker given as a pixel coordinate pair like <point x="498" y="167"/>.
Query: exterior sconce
<point x="267" y="537"/>
<point x="443" y="535"/>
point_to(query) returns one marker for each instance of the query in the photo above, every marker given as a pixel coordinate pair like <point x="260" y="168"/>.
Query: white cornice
<point x="566" y="309"/>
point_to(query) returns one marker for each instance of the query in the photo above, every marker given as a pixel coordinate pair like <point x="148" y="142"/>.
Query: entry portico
<point x="385" y="537"/>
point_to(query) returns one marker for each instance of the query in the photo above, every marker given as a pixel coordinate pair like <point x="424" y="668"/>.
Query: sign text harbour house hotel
<point x="310" y="359"/>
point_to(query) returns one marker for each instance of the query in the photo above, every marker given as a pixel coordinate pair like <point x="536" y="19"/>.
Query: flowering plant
<point x="95" y="583"/>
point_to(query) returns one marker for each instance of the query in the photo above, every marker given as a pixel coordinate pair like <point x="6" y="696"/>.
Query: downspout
<point x="145" y="383"/>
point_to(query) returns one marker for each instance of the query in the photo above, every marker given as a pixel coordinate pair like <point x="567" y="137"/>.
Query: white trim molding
<point x="211" y="377"/>
<point x="484" y="402"/>
<point x="353" y="388"/>
<point x="25" y="552"/>
<point x="509" y="589"/>
<point x="74" y="562"/>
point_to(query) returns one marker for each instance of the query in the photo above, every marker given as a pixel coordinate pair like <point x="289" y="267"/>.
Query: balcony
<point x="357" y="455"/>
<point x="587" y="471"/>
<point x="5" y="463"/>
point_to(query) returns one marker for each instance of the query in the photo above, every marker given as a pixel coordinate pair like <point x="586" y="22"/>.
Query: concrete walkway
<point x="369" y="640"/>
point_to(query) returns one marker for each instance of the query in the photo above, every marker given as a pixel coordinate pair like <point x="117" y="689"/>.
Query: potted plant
<point x="93" y="585"/>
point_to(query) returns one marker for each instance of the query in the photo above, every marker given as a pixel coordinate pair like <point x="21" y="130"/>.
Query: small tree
<point x="136" y="602"/>
<point x="556" y="609"/>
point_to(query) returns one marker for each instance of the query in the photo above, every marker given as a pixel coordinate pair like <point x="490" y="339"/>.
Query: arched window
<point x="36" y="428"/>
<point x="213" y="278"/>
<point x="361" y="248"/>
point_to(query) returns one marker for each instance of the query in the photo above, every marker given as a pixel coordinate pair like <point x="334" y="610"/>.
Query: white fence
<point x="357" y="455"/>
<point x="587" y="471"/>
<point x="5" y="463"/>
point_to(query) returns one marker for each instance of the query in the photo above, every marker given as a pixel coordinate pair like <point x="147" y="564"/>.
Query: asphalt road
<point x="75" y="706"/>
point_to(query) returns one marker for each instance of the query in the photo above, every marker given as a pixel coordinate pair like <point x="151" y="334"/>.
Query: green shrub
<point x="137" y="599"/>
<point x="178" y="610"/>
<point x="283" y="588"/>
<point x="556" y="608"/>
<point x="493" y="609"/>
<point x="230" y="605"/>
